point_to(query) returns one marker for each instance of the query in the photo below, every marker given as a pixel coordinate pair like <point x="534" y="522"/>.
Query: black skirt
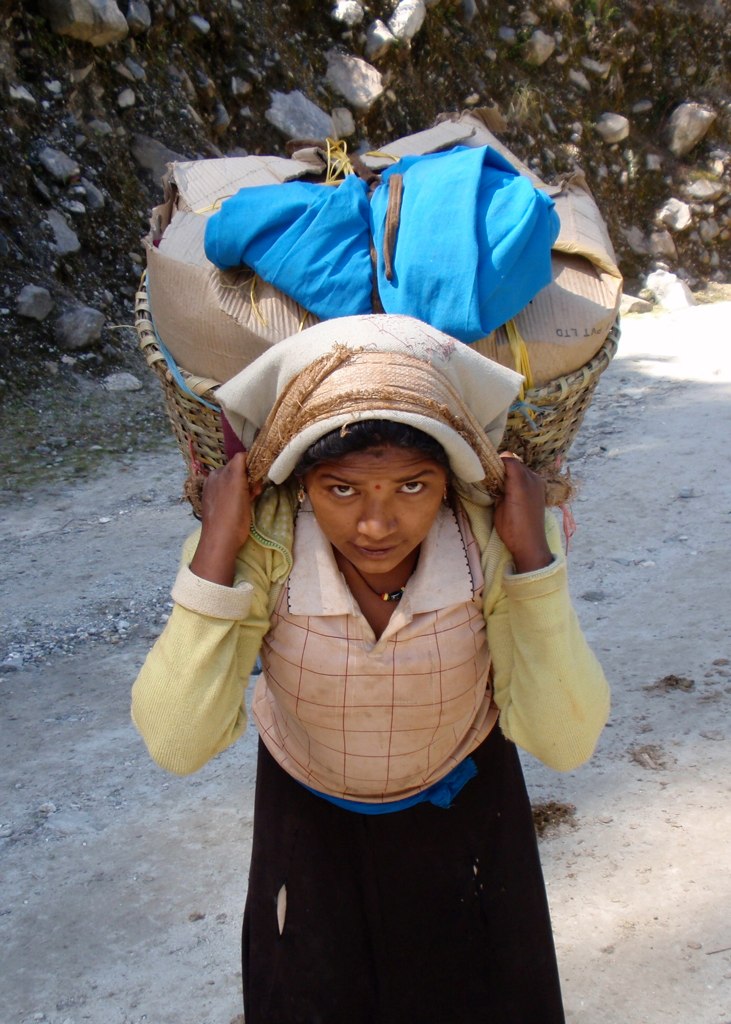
<point x="422" y="916"/>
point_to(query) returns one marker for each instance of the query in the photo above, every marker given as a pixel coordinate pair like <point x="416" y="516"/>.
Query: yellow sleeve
<point x="188" y="699"/>
<point x="551" y="691"/>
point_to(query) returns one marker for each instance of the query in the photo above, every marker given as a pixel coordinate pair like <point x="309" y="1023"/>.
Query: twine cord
<point x="338" y="161"/>
<point x="521" y="358"/>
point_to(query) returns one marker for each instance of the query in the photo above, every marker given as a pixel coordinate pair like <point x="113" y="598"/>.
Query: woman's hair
<point x="365" y="434"/>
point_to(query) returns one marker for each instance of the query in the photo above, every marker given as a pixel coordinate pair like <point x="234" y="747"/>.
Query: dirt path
<point x="121" y="888"/>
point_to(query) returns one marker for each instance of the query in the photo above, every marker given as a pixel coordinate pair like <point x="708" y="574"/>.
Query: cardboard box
<point x="214" y="323"/>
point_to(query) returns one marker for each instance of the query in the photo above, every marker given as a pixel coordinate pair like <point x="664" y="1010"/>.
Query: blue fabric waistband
<point x="441" y="793"/>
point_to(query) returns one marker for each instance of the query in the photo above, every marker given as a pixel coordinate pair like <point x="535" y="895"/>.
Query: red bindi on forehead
<point x="377" y="487"/>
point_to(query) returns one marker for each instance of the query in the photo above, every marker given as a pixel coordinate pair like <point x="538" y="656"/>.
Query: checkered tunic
<point x="377" y="719"/>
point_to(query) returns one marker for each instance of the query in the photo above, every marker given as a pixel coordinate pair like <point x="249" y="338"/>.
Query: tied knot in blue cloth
<point x="473" y="245"/>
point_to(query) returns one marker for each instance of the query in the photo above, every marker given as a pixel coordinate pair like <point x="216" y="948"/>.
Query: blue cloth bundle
<point x="473" y="244"/>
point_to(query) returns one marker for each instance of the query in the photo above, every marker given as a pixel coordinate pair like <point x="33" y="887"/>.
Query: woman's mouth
<point x="373" y="552"/>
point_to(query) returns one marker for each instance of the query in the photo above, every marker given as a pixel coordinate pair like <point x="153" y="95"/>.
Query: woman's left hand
<point x="520" y="516"/>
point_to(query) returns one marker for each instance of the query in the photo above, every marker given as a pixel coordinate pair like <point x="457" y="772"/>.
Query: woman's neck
<point x="368" y="588"/>
<point x="384" y="582"/>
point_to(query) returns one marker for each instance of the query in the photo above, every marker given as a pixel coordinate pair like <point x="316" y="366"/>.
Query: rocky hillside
<point x="98" y="95"/>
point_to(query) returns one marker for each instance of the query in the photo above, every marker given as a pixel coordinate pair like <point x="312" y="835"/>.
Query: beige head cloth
<point x="379" y="366"/>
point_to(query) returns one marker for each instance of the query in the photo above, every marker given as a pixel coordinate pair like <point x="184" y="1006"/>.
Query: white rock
<point x="661" y="244"/>
<point x="79" y="328"/>
<point x="636" y="241"/>
<point x="136" y="70"/>
<point x="79" y="74"/>
<point x="633" y="304"/>
<point x="709" y="229"/>
<point x="66" y="240"/>
<point x="126" y="99"/>
<point x="297" y="117"/>
<point x="60" y="166"/>
<point x="220" y="119"/>
<point x="675" y="214"/>
<point x="653" y="162"/>
<point x="240" y="87"/>
<point x="669" y="290"/>
<point x="356" y="80"/>
<point x="407" y="19"/>
<point x="596" y="67"/>
<point x="121" y="381"/>
<point x="74" y="207"/>
<point x="343" y="123"/>
<point x="23" y="95"/>
<point x="704" y="190"/>
<point x="469" y="11"/>
<point x="94" y="21"/>
<point x="100" y="127"/>
<point x="506" y="34"/>
<point x="349" y="12"/>
<point x="580" y="79"/>
<point x="379" y="39"/>
<point x="34" y="302"/>
<point x="538" y="48"/>
<point x="688" y="124"/>
<point x="612" y="127"/>
<point x="200" y="24"/>
<point x="94" y="197"/>
<point x="139" y="18"/>
<point x="642" y="107"/>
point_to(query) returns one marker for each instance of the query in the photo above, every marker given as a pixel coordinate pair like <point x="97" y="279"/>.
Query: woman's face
<point x="377" y="506"/>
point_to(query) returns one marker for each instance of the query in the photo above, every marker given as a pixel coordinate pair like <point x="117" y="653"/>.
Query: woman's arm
<point x="550" y="688"/>
<point x="551" y="691"/>
<point x="226" y="517"/>
<point x="188" y="699"/>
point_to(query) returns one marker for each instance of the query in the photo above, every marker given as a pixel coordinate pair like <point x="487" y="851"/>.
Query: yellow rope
<point x="338" y="161"/>
<point x="519" y="352"/>
<point x="379" y="154"/>
<point x="254" y="303"/>
<point x="212" y="206"/>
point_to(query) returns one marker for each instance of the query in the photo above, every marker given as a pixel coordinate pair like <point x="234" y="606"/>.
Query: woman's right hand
<point x="226" y="516"/>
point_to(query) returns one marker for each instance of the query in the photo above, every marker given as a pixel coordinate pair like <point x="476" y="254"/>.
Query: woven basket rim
<point x="541" y="426"/>
<point x="207" y="386"/>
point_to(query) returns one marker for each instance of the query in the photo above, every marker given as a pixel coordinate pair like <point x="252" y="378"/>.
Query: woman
<point x="412" y="628"/>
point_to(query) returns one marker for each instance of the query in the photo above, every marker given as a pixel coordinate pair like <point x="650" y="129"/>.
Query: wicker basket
<point x="540" y="428"/>
<point x="190" y="401"/>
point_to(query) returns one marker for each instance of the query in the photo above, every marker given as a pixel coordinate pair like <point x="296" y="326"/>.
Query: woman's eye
<point x="413" y="487"/>
<point x="343" y="490"/>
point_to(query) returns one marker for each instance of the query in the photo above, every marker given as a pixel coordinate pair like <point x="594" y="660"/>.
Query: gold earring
<point x="301" y="494"/>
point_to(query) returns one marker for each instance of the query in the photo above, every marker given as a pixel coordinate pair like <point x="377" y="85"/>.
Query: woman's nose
<point x="376" y="520"/>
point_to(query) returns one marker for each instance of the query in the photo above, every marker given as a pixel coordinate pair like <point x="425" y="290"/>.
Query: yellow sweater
<point x="188" y="699"/>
